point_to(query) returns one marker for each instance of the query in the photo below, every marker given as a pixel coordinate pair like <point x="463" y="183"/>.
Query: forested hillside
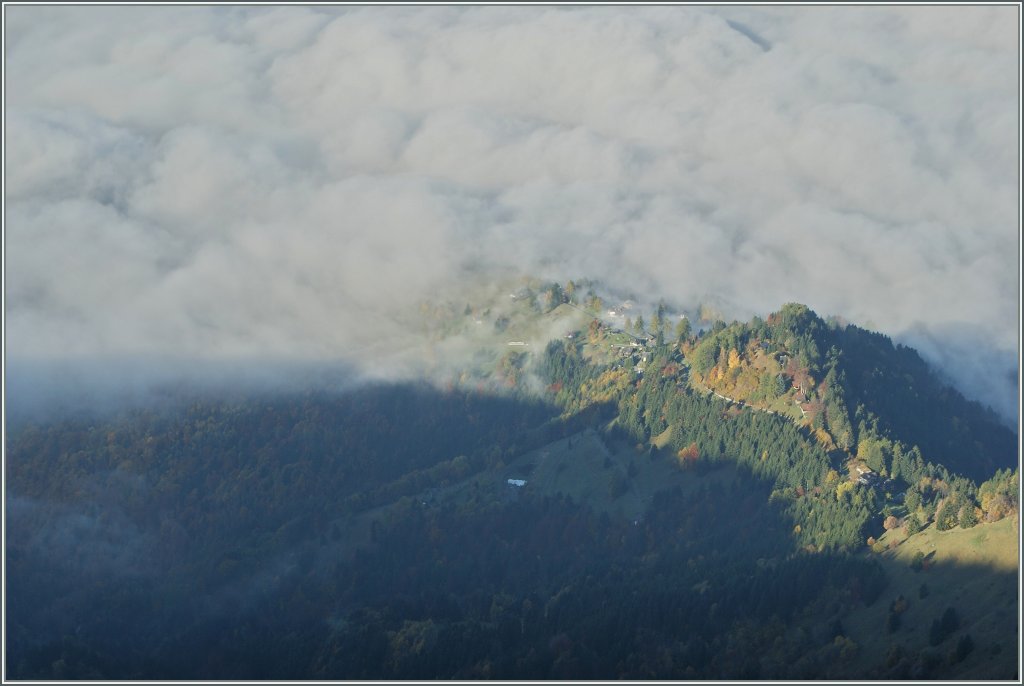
<point x="855" y="384"/>
<point x="409" y="532"/>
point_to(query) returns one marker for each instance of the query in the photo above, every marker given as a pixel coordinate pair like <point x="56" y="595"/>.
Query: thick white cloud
<point x="234" y="182"/>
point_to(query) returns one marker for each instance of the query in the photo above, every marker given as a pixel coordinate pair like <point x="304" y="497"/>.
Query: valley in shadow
<point x="373" y="535"/>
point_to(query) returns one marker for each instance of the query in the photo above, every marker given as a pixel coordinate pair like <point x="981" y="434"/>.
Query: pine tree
<point x="968" y="518"/>
<point x="683" y="330"/>
<point x="946" y="518"/>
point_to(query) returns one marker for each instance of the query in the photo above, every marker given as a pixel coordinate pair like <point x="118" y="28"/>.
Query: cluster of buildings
<point x="621" y="310"/>
<point x="800" y="400"/>
<point x="867" y="476"/>
<point x="871" y="479"/>
<point x="636" y="350"/>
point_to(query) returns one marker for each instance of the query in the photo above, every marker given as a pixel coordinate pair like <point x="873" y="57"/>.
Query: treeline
<point x="931" y="493"/>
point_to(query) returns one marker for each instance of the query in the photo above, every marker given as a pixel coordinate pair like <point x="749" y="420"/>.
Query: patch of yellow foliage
<point x="824" y="439"/>
<point x="844" y="487"/>
<point x="607" y="385"/>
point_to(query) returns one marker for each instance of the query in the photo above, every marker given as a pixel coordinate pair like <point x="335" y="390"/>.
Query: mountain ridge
<point x="582" y="506"/>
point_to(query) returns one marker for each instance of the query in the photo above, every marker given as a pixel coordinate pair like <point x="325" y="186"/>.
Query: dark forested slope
<point x="374" y="534"/>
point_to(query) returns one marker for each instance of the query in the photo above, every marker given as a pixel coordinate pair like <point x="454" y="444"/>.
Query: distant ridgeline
<point x="844" y="423"/>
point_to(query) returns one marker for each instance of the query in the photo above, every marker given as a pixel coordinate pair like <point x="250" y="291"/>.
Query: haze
<point x="233" y="184"/>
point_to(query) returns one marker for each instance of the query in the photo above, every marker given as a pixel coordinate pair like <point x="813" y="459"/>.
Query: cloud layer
<point x="233" y="183"/>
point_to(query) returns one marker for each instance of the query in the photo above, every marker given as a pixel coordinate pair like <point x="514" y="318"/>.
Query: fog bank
<point x="236" y="183"/>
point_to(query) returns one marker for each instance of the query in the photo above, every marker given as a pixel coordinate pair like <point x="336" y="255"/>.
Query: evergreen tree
<point x="945" y="519"/>
<point x="683" y="330"/>
<point x="912" y="500"/>
<point x="968" y="518"/>
<point x="913" y="525"/>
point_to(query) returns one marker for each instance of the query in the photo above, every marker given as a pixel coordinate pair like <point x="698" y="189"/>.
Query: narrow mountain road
<point x="742" y="403"/>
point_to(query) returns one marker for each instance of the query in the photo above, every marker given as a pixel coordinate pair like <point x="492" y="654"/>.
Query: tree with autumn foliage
<point x="946" y="517"/>
<point x="998" y="495"/>
<point x="688" y="456"/>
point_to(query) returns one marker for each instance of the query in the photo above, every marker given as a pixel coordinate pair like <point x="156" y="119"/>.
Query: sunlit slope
<point x="993" y="545"/>
<point x="973" y="571"/>
<point x="854" y="384"/>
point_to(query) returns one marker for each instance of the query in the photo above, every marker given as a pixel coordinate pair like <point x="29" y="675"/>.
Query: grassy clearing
<point x="993" y="545"/>
<point x="612" y="477"/>
<point x="661" y="440"/>
<point x="647" y="471"/>
<point x="973" y="571"/>
<point x="619" y="338"/>
<point x="599" y="354"/>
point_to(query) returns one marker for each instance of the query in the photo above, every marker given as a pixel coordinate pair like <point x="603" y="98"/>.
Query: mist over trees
<point x="375" y="534"/>
<point x="300" y="200"/>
